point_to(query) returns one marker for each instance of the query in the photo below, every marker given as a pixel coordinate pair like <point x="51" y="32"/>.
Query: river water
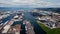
<point x="28" y="16"/>
<point x="37" y="28"/>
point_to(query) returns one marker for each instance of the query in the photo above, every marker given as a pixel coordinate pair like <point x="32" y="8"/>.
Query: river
<point x="27" y="16"/>
<point x="37" y="28"/>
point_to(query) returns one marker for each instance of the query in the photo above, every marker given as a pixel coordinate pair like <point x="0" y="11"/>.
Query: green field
<point x="48" y="30"/>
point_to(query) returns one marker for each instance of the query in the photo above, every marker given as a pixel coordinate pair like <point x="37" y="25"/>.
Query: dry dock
<point x="29" y="28"/>
<point x="16" y="29"/>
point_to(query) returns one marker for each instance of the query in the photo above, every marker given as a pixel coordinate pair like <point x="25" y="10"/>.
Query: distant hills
<point x="18" y="8"/>
<point x="13" y="8"/>
<point x="50" y="9"/>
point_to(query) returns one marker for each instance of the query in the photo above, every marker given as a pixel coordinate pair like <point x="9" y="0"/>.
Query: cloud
<point x="31" y="3"/>
<point x="15" y="0"/>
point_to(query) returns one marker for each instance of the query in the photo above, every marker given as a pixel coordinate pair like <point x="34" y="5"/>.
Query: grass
<point x="48" y="30"/>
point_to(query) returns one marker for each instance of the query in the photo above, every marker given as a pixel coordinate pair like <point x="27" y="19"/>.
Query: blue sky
<point x="30" y="3"/>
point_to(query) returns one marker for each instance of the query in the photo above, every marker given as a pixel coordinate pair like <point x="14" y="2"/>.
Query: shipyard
<point x="28" y="27"/>
<point x="8" y="28"/>
<point x="29" y="16"/>
<point x="28" y="22"/>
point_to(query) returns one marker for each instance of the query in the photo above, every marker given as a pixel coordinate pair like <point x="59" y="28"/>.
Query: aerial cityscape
<point x="29" y="16"/>
<point x="29" y="22"/>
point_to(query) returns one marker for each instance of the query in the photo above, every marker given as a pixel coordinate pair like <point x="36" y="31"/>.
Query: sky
<point x="30" y="3"/>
